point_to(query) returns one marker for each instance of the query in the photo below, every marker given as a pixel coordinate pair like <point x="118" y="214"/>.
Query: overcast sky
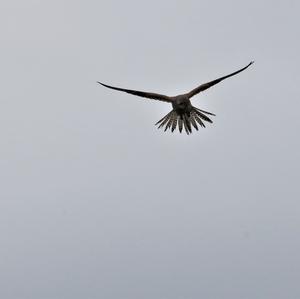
<point x="95" y="202"/>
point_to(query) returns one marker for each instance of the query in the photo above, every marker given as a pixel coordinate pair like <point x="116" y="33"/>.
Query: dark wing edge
<point x="207" y="85"/>
<point x="148" y="95"/>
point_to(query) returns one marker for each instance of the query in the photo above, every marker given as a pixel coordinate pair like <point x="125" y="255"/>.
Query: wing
<point x="207" y="85"/>
<point x="148" y="95"/>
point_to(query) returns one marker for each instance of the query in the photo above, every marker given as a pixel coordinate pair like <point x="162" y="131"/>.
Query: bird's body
<point x="181" y="102"/>
<point x="183" y="114"/>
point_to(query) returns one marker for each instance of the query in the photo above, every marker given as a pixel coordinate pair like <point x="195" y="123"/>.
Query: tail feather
<point x="174" y="124"/>
<point x="164" y="120"/>
<point x="185" y="120"/>
<point x="180" y="124"/>
<point x="188" y="123"/>
<point x="170" y="121"/>
<point x="205" y="111"/>
<point x="203" y="116"/>
<point x="199" y="121"/>
<point x="193" y="121"/>
<point x="185" y="126"/>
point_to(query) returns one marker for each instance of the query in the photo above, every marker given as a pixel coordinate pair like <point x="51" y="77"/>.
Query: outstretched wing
<point x="207" y="85"/>
<point x="148" y="95"/>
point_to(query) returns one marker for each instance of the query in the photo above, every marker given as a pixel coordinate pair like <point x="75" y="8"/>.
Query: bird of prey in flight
<point x="183" y="114"/>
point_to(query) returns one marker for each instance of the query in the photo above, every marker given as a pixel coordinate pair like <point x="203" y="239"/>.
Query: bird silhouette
<point x="183" y="114"/>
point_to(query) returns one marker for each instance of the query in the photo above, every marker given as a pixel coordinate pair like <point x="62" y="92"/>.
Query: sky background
<point x="95" y="202"/>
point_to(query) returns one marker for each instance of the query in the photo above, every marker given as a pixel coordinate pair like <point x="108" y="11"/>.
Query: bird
<point x="184" y="114"/>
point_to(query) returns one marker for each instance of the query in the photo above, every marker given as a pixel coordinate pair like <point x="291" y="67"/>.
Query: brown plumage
<point x="183" y="114"/>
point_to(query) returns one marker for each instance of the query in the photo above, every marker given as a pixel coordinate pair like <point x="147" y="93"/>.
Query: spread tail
<point x="186" y="120"/>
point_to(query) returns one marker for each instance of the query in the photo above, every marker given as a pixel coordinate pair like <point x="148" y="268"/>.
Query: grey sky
<point x="95" y="202"/>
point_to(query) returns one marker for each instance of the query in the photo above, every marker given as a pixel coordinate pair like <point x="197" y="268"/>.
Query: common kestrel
<point x="183" y="113"/>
